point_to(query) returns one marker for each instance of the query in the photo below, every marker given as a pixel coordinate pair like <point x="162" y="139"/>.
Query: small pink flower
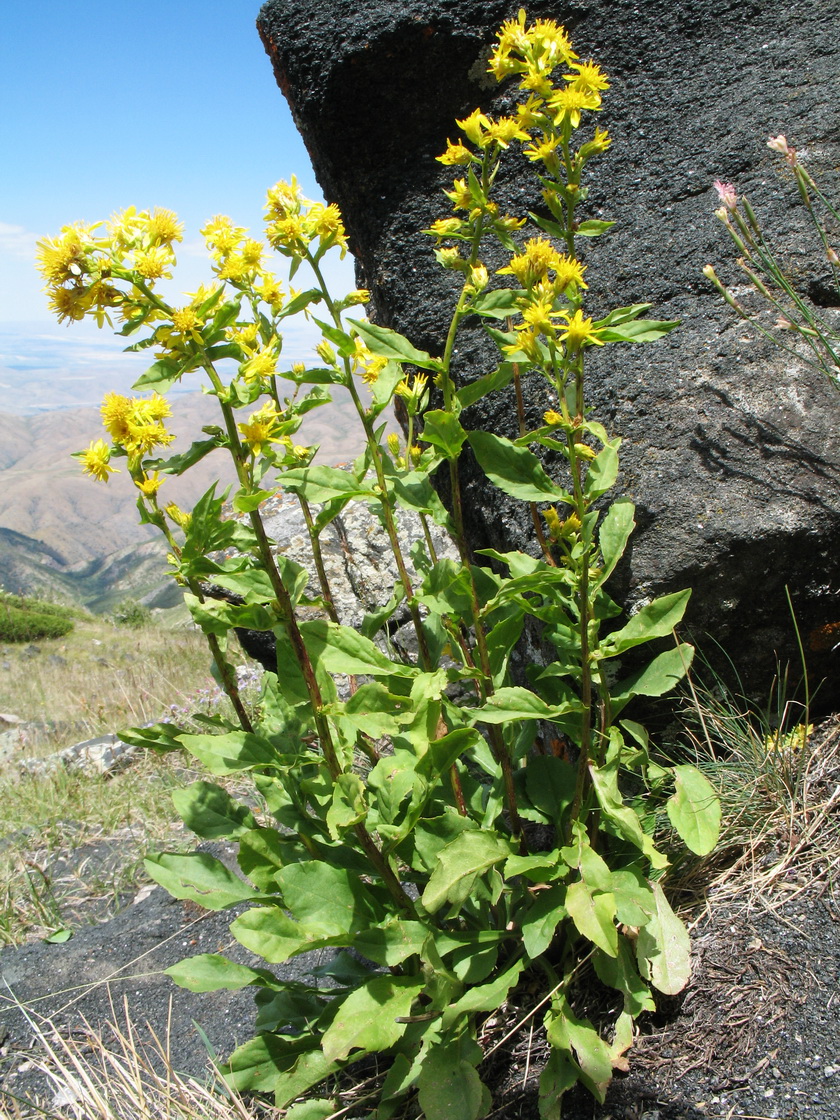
<point x="727" y="194"/>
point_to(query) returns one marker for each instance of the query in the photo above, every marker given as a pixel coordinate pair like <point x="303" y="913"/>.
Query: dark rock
<point x="731" y="449"/>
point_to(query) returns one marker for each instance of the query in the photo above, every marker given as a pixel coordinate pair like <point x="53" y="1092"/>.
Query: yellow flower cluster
<point x="135" y="423"/>
<point x="293" y="223"/>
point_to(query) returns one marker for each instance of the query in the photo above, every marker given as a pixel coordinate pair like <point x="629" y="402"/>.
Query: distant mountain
<point x="79" y="539"/>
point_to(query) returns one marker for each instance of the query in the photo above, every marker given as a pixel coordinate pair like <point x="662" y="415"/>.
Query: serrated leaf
<point x="694" y="810"/>
<point x="367" y="1019"/>
<point x="210" y="812"/>
<point x="663" y="947"/>
<point x="211" y="972"/>
<point x="515" y="470"/>
<point x="199" y="877"/>
<point x="326" y="898"/>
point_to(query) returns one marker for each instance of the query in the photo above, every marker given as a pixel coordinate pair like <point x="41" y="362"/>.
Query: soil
<point x="754" y="1036"/>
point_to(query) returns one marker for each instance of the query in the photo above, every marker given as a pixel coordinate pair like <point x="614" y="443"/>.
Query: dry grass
<point x="71" y="843"/>
<point x="122" y="1073"/>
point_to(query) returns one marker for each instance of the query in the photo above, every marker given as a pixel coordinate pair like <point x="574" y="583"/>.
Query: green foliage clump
<point x="131" y="614"/>
<point x="28" y="620"/>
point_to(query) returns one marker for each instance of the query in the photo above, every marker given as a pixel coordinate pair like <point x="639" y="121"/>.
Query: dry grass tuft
<point x="122" y="1073"/>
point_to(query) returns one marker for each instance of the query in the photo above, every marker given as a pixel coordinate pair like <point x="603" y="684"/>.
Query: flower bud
<point x="325" y="352"/>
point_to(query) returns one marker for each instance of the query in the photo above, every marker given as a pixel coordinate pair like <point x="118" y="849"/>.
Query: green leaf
<point x="639" y="330"/>
<point x="593" y="913"/>
<point x="322" y="484"/>
<point x="367" y="1019"/>
<point x="613" y="534"/>
<point x="558" y="1076"/>
<point x="341" y="649"/>
<point x="199" y="877"/>
<point x="593" y="228"/>
<point x="276" y="937"/>
<point x="449" y="1087"/>
<point x="326" y="898"/>
<point x="484" y="997"/>
<point x="210" y="812"/>
<point x="348" y="804"/>
<point x="268" y="1064"/>
<point x="516" y="702"/>
<point x="262" y="852"/>
<point x="227" y="754"/>
<point x="389" y="344"/>
<point x="634" y="900"/>
<point x="160" y="737"/>
<point x="515" y="470"/>
<point x="444" y="431"/>
<point x="211" y="972"/>
<point x="570" y="1034"/>
<point x="540" y="922"/>
<point x="161" y="375"/>
<point x="550" y="783"/>
<point x="58" y="937"/>
<point x="655" y="620"/>
<point x="621" y="816"/>
<point x="320" y="1109"/>
<point x="602" y="472"/>
<point x="663" y="947"/>
<point x="300" y="301"/>
<point x="655" y="679"/>
<point x="620" y="972"/>
<point x="458" y="865"/>
<point x="496" y="303"/>
<point x="392" y="943"/>
<point x="694" y="810"/>
<point x="177" y="464"/>
<point x="247" y="503"/>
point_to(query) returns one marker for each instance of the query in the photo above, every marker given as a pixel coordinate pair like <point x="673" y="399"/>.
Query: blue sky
<point x="160" y="103"/>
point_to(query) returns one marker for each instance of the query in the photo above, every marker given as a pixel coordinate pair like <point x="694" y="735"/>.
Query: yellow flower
<point x="537" y="259"/>
<point x="69" y="303"/>
<point x="145" y="436"/>
<point x="221" y="235"/>
<point x="179" y="516"/>
<point x="543" y="149"/>
<point x="184" y="319"/>
<point x="263" y="427"/>
<point x="262" y="364"/>
<point x="288" y="234"/>
<point x="589" y="77"/>
<point x="325" y="223"/>
<point x="270" y="291"/>
<point x="326" y="353"/>
<point x="393" y="441"/>
<point x="164" y="226"/>
<point x="356" y="297"/>
<point x="283" y="199"/>
<point x="96" y="459"/>
<point x="506" y="129"/>
<point x="552" y="418"/>
<point x="149" y="485"/>
<point x="599" y="143"/>
<point x="373" y="369"/>
<point x="244" y="335"/>
<point x="475" y="127"/>
<point x="532" y="112"/>
<point x="579" y="332"/>
<point x="445" y="227"/>
<point x="115" y="411"/>
<point x="455" y="155"/>
<point x="569" y="103"/>
<point x="461" y="195"/>
<point x="62" y="258"/>
<point x="154" y="263"/>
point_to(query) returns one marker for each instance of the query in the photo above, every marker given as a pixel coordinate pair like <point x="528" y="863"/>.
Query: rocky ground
<point x="754" y="1036"/>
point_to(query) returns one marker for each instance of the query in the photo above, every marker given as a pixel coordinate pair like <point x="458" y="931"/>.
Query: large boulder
<point x="731" y="448"/>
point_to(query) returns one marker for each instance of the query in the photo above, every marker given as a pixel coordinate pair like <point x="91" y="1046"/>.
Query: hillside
<point x="65" y="536"/>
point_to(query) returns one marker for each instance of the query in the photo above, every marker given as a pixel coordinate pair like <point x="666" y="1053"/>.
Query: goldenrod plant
<point x="797" y="318"/>
<point x="436" y="846"/>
